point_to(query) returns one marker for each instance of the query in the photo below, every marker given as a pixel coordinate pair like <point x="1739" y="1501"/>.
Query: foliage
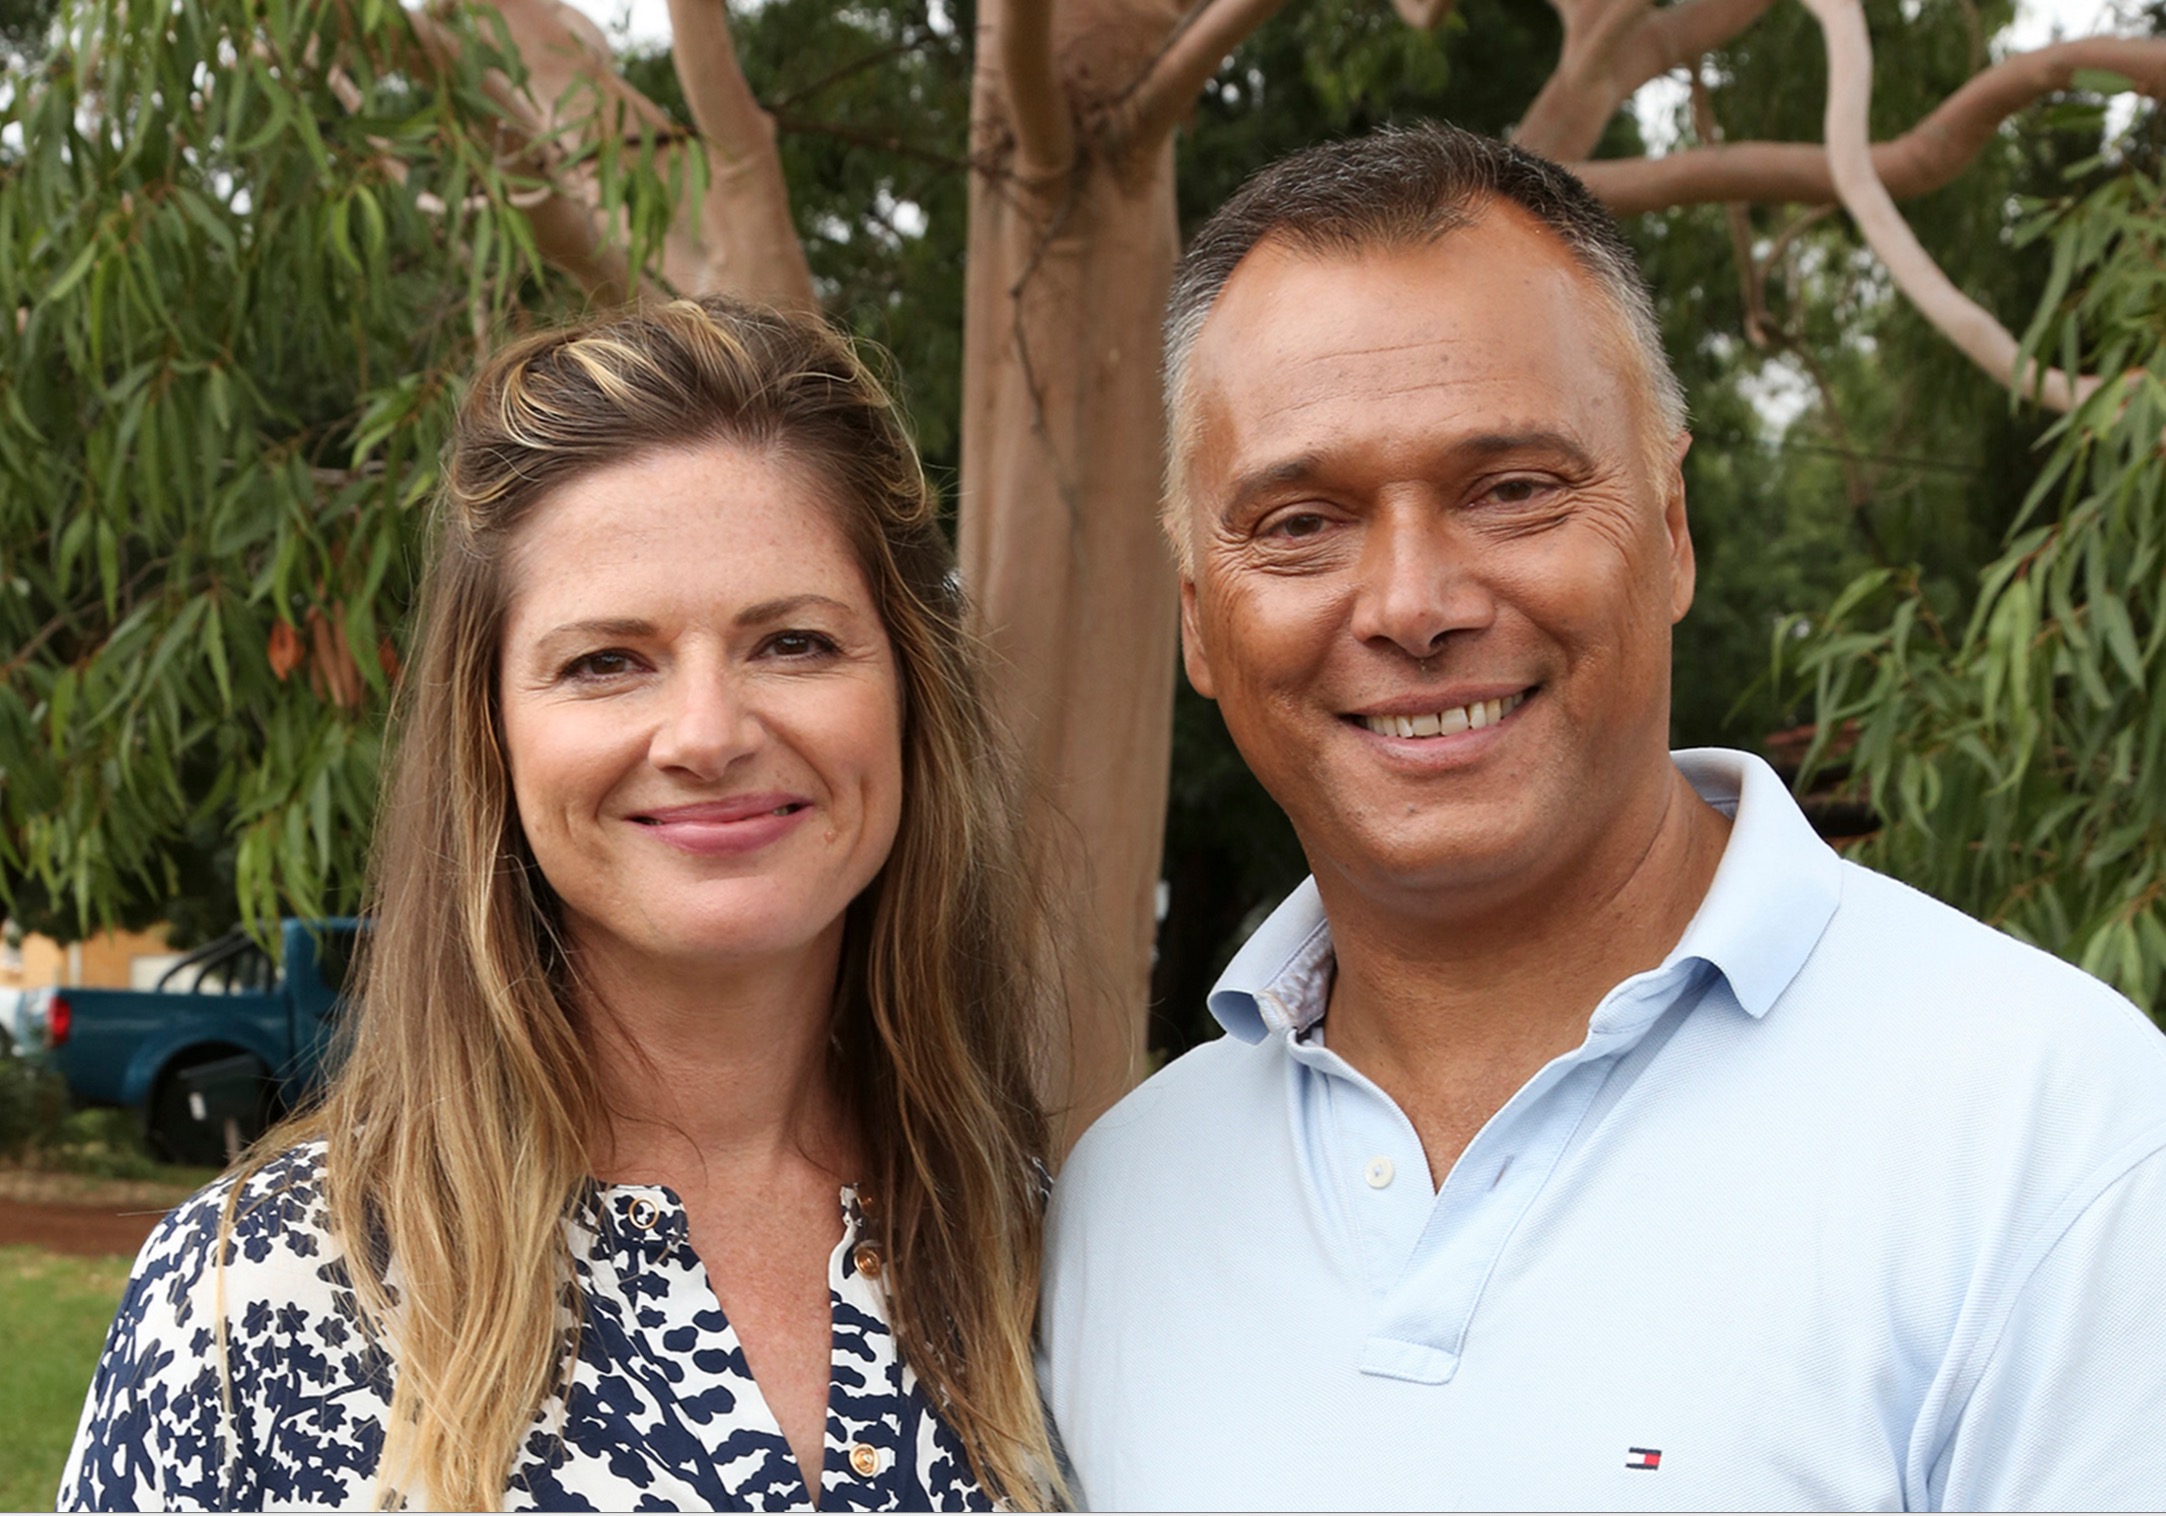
<point x="2018" y="755"/>
<point x="241" y="305"/>
<point x="38" y="1130"/>
<point x="33" y="1104"/>
<point x="23" y="25"/>
<point x="54" y="1312"/>
<point x="871" y="103"/>
<point x="1899" y="450"/>
<point x="246" y="250"/>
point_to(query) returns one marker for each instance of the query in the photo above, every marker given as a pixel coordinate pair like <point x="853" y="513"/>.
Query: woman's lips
<point x="740" y="824"/>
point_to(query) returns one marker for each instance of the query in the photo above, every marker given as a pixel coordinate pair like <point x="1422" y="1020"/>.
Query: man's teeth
<point x="1449" y="723"/>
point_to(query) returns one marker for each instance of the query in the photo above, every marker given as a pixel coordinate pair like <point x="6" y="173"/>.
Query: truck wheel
<point x="206" y="1109"/>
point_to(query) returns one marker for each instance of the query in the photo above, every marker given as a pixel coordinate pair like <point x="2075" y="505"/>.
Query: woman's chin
<point x="722" y="940"/>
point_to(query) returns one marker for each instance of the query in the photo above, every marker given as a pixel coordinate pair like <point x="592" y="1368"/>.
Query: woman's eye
<point x="799" y="645"/>
<point x="610" y="663"/>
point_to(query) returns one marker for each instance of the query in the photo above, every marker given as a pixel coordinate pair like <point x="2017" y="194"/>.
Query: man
<point x="1587" y="1133"/>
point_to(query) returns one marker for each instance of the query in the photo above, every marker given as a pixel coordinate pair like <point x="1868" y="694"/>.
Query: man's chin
<point x="1429" y="869"/>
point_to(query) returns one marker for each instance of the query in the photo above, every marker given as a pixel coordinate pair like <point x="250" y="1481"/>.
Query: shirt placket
<point x="1427" y="1254"/>
<point x="865" y="1464"/>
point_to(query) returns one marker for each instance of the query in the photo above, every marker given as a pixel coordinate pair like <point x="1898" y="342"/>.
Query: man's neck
<point x="1450" y="1005"/>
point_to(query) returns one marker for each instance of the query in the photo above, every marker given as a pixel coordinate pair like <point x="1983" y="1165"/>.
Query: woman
<point x="686" y="1153"/>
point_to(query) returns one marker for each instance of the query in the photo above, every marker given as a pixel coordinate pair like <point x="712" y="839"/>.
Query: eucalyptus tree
<point x="2017" y="750"/>
<point x="250" y="244"/>
<point x="246" y="251"/>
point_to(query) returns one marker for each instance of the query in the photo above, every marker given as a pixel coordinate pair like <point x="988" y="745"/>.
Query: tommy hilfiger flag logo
<point x="1644" y="1458"/>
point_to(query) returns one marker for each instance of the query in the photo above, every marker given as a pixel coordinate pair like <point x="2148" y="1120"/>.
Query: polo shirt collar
<point x="1773" y="895"/>
<point x="1775" y="890"/>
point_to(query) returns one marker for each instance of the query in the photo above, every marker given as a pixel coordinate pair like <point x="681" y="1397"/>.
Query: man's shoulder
<point x="1202" y="1106"/>
<point x="1950" y="972"/>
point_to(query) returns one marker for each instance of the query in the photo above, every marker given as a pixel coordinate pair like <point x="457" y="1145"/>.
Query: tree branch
<point x="899" y="146"/>
<point x="1611" y="48"/>
<point x="849" y="70"/>
<point x="1037" y="101"/>
<point x="1923" y="159"/>
<point x="1679" y="34"/>
<point x="1966" y="323"/>
<point x="747" y="242"/>
<point x="1565" y="118"/>
<point x="564" y="226"/>
<point x="570" y="71"/>
<point x="1751" y="275"/>
<point x="1203" y="41"/>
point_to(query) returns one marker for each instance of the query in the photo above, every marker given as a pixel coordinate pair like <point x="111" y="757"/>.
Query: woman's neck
<point x="717" y="1065"/>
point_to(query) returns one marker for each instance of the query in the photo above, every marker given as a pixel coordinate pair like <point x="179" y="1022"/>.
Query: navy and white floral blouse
<point x="662" y="1411"/>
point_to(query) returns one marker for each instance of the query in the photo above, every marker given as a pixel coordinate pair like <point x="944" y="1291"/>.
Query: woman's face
<point x="701" y="708"/>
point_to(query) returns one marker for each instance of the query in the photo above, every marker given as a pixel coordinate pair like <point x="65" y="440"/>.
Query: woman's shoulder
<point x="227" y="1331"/>
<point x="247" y="1245"/>
<point x="279" y="1219"/>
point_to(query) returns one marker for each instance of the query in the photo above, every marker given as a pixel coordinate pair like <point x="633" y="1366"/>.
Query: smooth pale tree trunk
<point x="1061" y="442"/>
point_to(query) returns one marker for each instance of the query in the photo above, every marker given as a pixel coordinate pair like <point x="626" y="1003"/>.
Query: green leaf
<point x="2101" y="81"/>
<point x="71" y="276"/>
<point x="2120" y="635"/>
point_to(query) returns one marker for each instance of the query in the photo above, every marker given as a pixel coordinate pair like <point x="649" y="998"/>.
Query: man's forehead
<point x="1301" y="334"/>
<point x="1416" y="281"/>
<point x="1304" y="326"/>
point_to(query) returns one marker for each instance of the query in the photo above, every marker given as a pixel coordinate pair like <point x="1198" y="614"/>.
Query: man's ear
<point x="1195" y="657"/>
<point x="1684" y="570"/>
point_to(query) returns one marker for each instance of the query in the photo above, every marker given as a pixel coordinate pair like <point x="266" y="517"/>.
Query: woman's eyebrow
<point x="787" y="605"/>
<point x="606" y="626"/>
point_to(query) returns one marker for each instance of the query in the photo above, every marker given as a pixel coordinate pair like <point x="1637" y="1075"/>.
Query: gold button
<point x="867" y="1258"/>
<point x="644" y="1214"/>
<point x="865" y="1458"/>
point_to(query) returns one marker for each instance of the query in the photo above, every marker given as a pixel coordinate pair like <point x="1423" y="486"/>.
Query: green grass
<point x="53" y="1316"/>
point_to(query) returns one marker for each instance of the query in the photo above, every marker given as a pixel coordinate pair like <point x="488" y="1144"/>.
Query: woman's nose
<point x="704" y="724"/>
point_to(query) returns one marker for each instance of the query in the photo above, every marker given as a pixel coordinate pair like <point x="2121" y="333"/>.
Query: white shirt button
<point x="1378" y="1173"/>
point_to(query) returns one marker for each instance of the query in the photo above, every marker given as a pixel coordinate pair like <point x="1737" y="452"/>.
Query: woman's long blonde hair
<point x="461" y="1126"/>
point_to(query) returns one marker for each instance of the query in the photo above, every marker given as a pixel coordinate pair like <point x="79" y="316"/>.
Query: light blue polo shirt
<point x="1850" y="1203"/>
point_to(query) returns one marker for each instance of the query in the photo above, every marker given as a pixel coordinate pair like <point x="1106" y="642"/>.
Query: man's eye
<point x="1297" y="525"/>
<point x="1518" y="491"/>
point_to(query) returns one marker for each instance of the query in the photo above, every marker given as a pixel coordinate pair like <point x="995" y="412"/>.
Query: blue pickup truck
<point x="229" y="1037"/>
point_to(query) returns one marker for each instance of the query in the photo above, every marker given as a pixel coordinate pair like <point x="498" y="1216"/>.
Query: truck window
<point x="230" y="965"/>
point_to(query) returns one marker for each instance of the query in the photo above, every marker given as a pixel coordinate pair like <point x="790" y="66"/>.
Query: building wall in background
<point x="112" y="960"/>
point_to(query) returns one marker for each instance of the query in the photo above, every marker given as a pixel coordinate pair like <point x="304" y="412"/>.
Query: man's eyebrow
<point x="1539" y="440"/>
<point x="1271" y="477"/>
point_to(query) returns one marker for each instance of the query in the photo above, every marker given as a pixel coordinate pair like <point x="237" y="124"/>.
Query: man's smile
<point x="1446" y="721"/>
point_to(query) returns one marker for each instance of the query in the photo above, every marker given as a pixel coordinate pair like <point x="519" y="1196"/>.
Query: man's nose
<point x="704" y="723"/>
<point x="1419" y="582"/>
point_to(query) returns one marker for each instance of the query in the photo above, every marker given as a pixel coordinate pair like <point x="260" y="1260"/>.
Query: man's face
<point x="1438" y="549"/>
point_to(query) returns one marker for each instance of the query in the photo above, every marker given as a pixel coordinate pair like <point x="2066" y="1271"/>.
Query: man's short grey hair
<point x="1394" y="188"/>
